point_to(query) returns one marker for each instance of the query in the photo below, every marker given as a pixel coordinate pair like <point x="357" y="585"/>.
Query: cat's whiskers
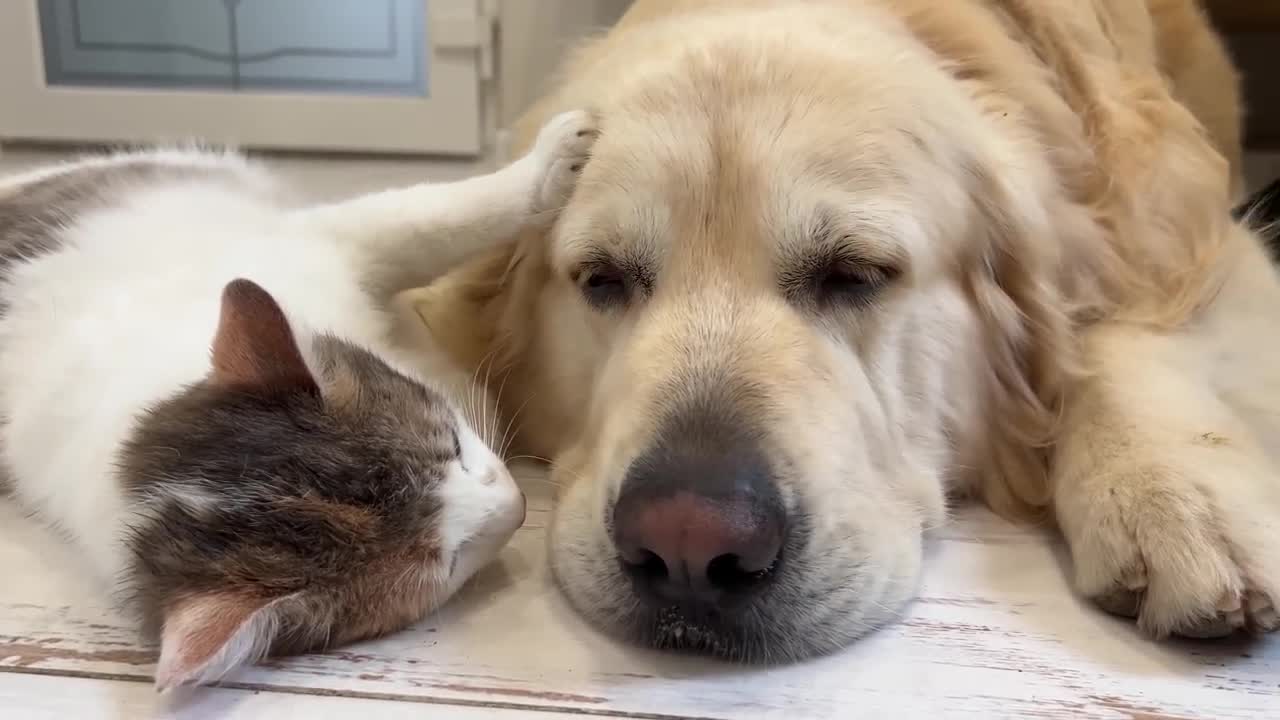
<point x="538" y="458"/>
<point x="544" y="480"/>
<point x="497" y="404"/>
<point x="484" y="406"/>
<point x="508" y="437"/>
<point x="472" y="383"/>
<point x="471" y="412"/>
<point x="552" y="468"/>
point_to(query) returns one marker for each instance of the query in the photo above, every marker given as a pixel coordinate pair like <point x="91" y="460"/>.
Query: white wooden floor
<point x="995" y="633"/>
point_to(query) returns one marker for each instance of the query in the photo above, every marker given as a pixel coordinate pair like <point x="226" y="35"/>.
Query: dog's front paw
<point x="1184" y="555"/>
<point x="561" y="151"/>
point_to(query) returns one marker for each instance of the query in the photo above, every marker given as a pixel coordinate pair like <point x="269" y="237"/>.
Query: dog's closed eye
<point x="604" y="285"/>
<point x="835" y="280"/>
<point x="843" y="281"/>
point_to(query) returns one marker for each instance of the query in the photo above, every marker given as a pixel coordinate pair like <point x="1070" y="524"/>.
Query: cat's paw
<point x="1185" y="557"/>
<point x="561" y="151"/>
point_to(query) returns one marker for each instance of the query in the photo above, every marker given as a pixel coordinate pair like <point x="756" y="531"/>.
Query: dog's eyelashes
<point x="604" y="285"/>
<point x="838" y="283"/>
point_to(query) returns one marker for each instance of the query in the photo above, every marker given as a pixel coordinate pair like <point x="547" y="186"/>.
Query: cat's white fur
<point x="121" y="316"/>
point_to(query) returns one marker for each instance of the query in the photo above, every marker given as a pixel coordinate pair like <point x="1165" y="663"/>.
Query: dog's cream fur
<point x="1074" y="325"/>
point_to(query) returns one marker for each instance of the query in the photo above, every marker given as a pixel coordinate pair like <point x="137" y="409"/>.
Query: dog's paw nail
<point x="1266" y="620"/>
<point x="1263" y="612"/>
<point x="1236" y="619"/>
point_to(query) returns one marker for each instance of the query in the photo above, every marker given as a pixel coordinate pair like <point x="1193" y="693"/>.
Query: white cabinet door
<point x="362" y="75"/>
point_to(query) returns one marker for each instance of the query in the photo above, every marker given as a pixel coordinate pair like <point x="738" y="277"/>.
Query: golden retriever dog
<point x="833" y="263"/>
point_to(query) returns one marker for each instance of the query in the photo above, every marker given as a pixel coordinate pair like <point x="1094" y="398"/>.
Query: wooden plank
<point x="43" y="697"/>
<point x="995" y="633"/>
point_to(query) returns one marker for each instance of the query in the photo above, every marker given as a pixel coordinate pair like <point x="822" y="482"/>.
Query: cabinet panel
<point x="342" y="46"/>
<point x="362" y="75"/>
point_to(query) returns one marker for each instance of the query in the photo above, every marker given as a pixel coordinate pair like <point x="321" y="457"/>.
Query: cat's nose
<point x="699" y="526"/>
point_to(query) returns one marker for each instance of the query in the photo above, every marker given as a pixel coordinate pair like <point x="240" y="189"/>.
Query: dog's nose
<point x="699" y="526"/>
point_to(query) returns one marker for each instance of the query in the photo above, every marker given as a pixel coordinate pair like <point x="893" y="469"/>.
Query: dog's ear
<point x="1014" y="283"/>
<point x="1065" y="248"/>
<point x="465" y="311"/>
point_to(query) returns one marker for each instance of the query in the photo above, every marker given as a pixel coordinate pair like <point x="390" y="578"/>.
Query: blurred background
<point x="392" y="76"/>
<point x="345" y="95"/>
<point x="388" y="89"/>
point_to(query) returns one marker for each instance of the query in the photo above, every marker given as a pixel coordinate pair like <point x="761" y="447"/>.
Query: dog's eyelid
<point x="635" y="268"/>
<point x="846" y="255"/>
<point x="838" y="231"/>
<point x="588" y="262"/>
<point x="860" y="280"/>
<point x="856" y="249"/>
<point x="582" y="272"/>
<point x="603" y="282"/>
<point x="835" y="275"/>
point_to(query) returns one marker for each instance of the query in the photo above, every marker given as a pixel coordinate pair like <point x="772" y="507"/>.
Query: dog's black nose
<point x="699" y="521"/>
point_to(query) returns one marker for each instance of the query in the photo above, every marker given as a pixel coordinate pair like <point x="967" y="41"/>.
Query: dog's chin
<point x="749" y="637"/>
<point x="712" y="634"/>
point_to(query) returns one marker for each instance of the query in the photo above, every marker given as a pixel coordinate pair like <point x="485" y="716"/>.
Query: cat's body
<point x="197" y="387"/>
<point x="121" y="314"/>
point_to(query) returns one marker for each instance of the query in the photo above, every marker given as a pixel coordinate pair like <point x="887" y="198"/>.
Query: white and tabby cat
<point x="197" y="388"/>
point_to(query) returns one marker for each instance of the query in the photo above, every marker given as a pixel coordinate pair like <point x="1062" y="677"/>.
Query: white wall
<point x="533" y="37"/>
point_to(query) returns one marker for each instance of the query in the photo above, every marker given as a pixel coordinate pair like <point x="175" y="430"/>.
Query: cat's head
<point x="306" y="494"/>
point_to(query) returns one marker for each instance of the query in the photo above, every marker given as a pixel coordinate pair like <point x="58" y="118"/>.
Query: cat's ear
<point x="207" y="636"/>
<point x="254" y="347"/>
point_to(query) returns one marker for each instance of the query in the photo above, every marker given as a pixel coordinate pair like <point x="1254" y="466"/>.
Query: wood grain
<point x="995" y="633"/>
<point x="43" y="697"/>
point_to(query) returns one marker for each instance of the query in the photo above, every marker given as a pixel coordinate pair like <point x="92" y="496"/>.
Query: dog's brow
<point x="633" y="237"/>
<point x="843" y="230"/>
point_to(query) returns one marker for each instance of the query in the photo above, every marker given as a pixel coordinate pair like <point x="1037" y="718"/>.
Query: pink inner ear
<point x="254" y="346"/>
<point x="205" y="637"/>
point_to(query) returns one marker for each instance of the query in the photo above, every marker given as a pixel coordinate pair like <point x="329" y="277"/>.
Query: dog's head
<point x="799" y="295"/>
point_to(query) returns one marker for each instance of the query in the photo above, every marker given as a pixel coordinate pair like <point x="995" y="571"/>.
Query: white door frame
<point x="449" y="122"/>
